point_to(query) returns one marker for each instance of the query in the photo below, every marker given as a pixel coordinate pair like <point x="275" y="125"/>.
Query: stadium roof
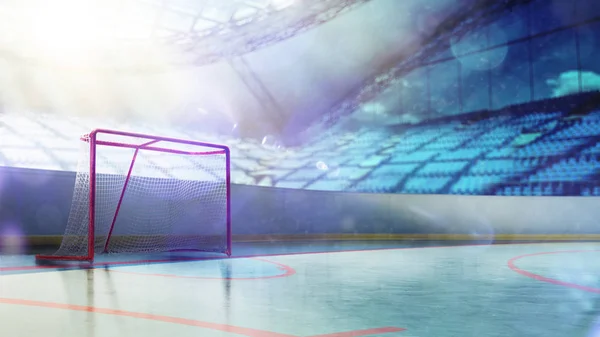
<point x="279" y="80"/>
<point x="193" y="31"/>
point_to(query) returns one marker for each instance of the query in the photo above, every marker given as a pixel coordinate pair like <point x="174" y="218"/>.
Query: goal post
<point x="138" y="193"/>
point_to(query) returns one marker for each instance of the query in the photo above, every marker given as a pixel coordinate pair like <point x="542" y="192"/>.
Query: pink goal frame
<point x="92" y="140"/>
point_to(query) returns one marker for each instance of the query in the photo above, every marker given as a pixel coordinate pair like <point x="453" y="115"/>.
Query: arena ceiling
<point x="114" y="33"/>
<point x="253" y="62"/>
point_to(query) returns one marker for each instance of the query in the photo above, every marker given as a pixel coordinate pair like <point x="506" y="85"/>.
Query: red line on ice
<point x="184" y="321"/>
<point x="511" y="264"/>
<point x="287" y="271"/>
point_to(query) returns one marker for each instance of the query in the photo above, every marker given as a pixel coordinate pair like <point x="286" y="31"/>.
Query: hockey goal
<point x="137" y="193"/>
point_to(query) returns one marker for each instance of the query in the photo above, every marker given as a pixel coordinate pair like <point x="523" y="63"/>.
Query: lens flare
<point x="322" y="166"/>
<point x="12" y="240"/>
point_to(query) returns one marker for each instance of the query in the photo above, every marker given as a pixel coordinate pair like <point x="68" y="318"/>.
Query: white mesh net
<point x="170" y="201"/>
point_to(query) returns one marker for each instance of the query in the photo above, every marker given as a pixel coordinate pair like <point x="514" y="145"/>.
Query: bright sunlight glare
<point x="73" y="31"/>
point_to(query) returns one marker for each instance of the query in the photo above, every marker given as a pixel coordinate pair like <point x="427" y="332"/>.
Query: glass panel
<point x="554" y="65"/>
<point x="472" y="42"/>
<point x="514" y="25"/>
<point x="587" y="9"/>
<point x="393" y="99"/>
<point x="475" y="88"/>
<point x="589" y="49"/>
<point x="444" y="54"/>
<point x="444" y="88"/>
<point x="510" y="80"/>
<point x="415" y="94"/>
<point x="547" y="15"/>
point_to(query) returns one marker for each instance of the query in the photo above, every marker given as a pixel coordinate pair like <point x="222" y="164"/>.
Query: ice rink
<point x="312" y="289"/>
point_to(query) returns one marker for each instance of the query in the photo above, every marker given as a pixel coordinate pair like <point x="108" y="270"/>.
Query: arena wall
<point x="35" y="204"/>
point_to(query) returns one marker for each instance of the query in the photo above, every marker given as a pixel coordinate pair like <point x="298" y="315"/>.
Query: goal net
<point x="138" y="193"/>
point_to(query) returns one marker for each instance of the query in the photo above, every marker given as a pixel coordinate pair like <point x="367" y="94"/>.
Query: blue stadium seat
<point x="493" y="138"/>
<point x="461" y="154"/>
<point x="537" y="117"/>
<point x="548" y="148"/>
<point x="568" y="170"/>
<point x="592" y="150"/>
<point x="587" y="128"/>
<point x="394" y="169"/>
<point x="470" y="184"/>
<point x="504" y="152"/>
<point x="417" y="156"/>
<point x="425" y="185"/>
<point x="442" y="168"/>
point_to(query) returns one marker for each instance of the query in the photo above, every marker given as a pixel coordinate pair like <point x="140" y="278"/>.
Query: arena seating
<point x="527" y="150"/>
